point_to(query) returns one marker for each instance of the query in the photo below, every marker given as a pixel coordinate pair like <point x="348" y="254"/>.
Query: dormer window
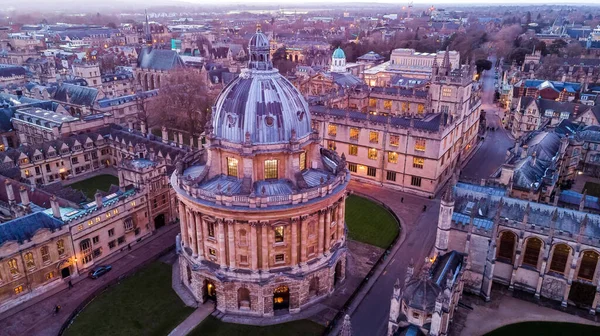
<point x="76" y="147"/>
<point x="25" y="161"/>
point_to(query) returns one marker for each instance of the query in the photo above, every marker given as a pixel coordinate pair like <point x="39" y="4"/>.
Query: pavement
<point x="193" y="320"/>
<point x="370" y="310"/>
<point x="491" y="154"/>
<point x="36" y="316"/>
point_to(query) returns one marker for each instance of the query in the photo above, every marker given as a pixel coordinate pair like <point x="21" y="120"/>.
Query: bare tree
<point x="183" y="102"/>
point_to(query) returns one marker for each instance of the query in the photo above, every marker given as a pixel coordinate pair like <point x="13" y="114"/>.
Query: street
<point x="492" y="152"/>
<point x="371" y="316"/>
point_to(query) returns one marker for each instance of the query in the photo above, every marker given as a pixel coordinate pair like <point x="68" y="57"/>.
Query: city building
<point x="262" y="209"/>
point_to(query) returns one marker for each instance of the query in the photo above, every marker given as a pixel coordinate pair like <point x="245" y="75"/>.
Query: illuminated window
<point x="279" y="258"/>
<point x="393" y="157"/>
<point x="332" y="130"/>
<point x="331" y="145"/>
<point x="132" y="203"/>
<point x="302" y="160"/>
<point x="447" y="92"/>
<point x="387" y="104"/>
<point x="354" y="133"/>
<point x="559" y="258"/>
<point x="86" y="250"/>
<point x="415" y="181"/>
<point x="420" y="145"/>
<point x="587" y="268"/>
<point x="372" y="153"/>
<point x="108" y="215"/>
<point x="115" y="211"/>
<point x="394" y="140"/>
<point x="279" y="234"/>
<point x="373" y="137"/>
<point x="404" y="106"/>
<point x="232" y="167"/>
<point x="45" y="251"/>
<point x="18" y="290"/>
<point x="49" y="276"/>
<point x="90" y="222"/>
<point x="27" y="173"/>
<point x="212" y="252"/>
<point x="271" y="169"/>
<point x="60" y="247"/>
<point x="420" y="108"/>
<point x="98" y="219"/>
<point x="418" y="162"/>
<point x="14" y="268"/>
<point x="353" y="150"/>
<point x="29" y="262"/>
<point x="372" y="102"/>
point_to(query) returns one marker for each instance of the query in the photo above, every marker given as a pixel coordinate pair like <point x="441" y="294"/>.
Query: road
<point x="492" y="152"/>
<point x="371" y="316"/>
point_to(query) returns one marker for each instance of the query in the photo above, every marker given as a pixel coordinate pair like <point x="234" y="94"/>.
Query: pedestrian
<point x="70" y="284"/>
<point x="56" y="309"/>
<point x="401" y="199"/>
<point x="129" y="247"/>
<point x="424" y="208"/>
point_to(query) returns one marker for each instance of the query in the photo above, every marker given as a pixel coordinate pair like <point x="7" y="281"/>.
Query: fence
<point x="339" y="317"/>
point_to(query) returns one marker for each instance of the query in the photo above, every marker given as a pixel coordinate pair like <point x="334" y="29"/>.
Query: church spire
<point x="446" y="66"/>
<point x="147" y="33"/>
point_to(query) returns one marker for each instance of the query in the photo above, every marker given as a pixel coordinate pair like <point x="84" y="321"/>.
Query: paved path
<point x="419" y="228"/>
<point x="492" y="152"/>
<point x="193" y="320"/>
<point x="35" y="317"/>
<point x="506" y="310"/>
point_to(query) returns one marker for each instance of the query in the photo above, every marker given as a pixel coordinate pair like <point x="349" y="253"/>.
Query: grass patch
<point x="100" y="182"/>
<point x="546" y="329"/>
<point x="143" y="304"/>
<point x="369" y="222"/>
<point x="212" y="326"/>
<point x="593" y="189"/>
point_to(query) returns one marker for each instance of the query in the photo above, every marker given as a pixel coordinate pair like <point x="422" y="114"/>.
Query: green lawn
<point x="546" y="329"/>
<point x="370" y="223"/>
<point x="143" y="304"/>
<point x="89" y="186"/>
<point x="214" y="327"/>
<point x="593" y="189"/>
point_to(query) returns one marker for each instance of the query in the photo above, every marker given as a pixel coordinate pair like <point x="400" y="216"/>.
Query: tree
<point x="281" y="62"/>
<point x="556" y="47"/>
<point x="483" y="64"/>
<point x="574" y="49"/>
<point x="183" y="102"/>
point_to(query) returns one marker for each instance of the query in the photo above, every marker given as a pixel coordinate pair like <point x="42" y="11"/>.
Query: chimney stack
<point x="24" y="196"/>
<point x="143" y="127"/>
<point x="55" y="207"/>
<point x="165" y="135"/>
<point x="98" y="197"/>
<point x="10" y="192"/>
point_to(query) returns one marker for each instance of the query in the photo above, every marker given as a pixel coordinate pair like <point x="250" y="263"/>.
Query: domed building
<point x="262" y="208"/>
<point x="338" y="60"/>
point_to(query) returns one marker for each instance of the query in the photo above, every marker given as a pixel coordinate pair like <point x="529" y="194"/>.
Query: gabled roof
<point x="76" y="94"/>
<point x="158" y="59"/>
<point x="24" y="228"/>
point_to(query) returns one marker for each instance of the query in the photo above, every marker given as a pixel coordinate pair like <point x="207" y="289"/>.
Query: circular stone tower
<point x="262" y="208"/>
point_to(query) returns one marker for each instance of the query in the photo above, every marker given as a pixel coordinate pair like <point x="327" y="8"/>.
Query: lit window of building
<point x="418" y="162"/>
<point x="372" y="102"/>
<point x="331" y="145"/>
<point x="60" y="247"/>
<point x="387" y="104"/>
<point x="271" y="169"/>
<point x="447" y="92"/>
<point x="354" y="132"/>
<point x="372" y="153"/>
<point x="302" y="160"/>
<point x="232" y="167"/>
<point x="332" y="130"/>
<point x="18" y="290"/>
<point x="420" y="145"/>
<point x="404" y="106"/>
<point x="394" y="140"/>
<point x="373" y="137"/>
<point x="353" y="150"/>
<point x="393" y="157"/>
<point x="279" y="234"/>
<point x="420" y="109"/>
<point x="13" y="267"/>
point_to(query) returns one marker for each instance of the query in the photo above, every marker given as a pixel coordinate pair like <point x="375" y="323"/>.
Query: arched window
<point x="243" y="298"/>
<point x="85" y="246"/>
<point x="560" y="256"/>
<point x="587" y="267"/>
<point x="29" y="262"/>
<point x="12" y="265"/>
<point x="243" y="237"/>
<point x="60" y="247"/>
<point x="532" y="252"/>
<point x="279" y="234"/>
<point x="506" y="247"/>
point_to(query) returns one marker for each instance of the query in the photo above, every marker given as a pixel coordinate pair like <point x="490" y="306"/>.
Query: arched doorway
<point x="65" y="272"/>
<point x="337" y="276"/>
<point x="159" y="221"/>
<point x="281" y="298"/>
<point x="210" y="291"/>
<point x="313" y="288"/>
<point x="244" y="298"/>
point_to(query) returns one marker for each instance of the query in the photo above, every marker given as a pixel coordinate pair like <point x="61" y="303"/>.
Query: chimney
<point x="130" y="125"/>
<point x="10" y="192"/>
<point x="143" y="128"/>
<point x="24" y="196"/>
<point x="98" y="197"/>
<point x="180" y="140"/>
<point x="55" y="207"/>
<point x="165" y="135"/>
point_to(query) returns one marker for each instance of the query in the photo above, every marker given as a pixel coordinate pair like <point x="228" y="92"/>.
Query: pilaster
<point x="253" y="246"/>
<point x="221" y="242"/>
<point x="231" y="243"/>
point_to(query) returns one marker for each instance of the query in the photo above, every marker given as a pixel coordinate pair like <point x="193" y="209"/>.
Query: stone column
<point x="340" y="221"/>
<point x="183" y="225"/>
<point x="192" y="221"/>
<point x="303" y="238"/>
<point x="327" y="230"/>
<point x="571" y="274"/>
<point x="321" y="231"/>
<point x="200" y="234"/>
<point x="253" y="247"/>
<point x="295" y="222"/>
<point x="516" y="263"/>
<point x="221" y="241"/>
<point x="265" y="246"/>
<point x="596" y="300"/>
<point x="231" y="243"/>
<point x="543" y="270"/>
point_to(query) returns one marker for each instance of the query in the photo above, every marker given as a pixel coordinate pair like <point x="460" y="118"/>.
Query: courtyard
<point x="91" y="185"/>
<point x="546" y="329"/>
<point x="212" y="326"/>
<point x="369" y="222"/>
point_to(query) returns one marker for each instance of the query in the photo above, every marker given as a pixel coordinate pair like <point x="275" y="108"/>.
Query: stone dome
<point x="260" y="106"/>
<point x="339" y="53"/>
<point x="421" y="294"/>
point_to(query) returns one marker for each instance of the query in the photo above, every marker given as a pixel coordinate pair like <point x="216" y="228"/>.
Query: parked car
<point x="99" y="271"/>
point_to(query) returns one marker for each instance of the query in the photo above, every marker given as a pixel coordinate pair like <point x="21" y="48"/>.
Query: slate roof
<point x="371" y="56"/>
<point x="24" y="228"/>
<point x="159" y="59"/>
<point x="76" y="94"/>
<point x="10" y="71"/>
<point x="530" y="171"/>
